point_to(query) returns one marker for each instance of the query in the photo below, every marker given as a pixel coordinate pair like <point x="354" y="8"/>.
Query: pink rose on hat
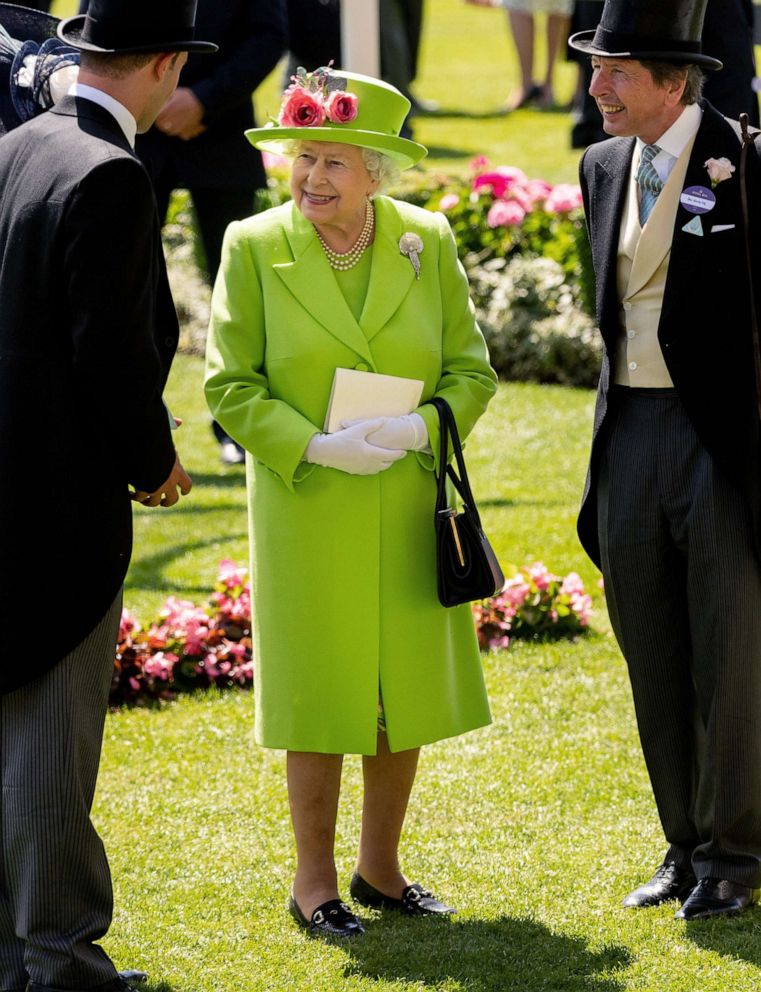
<point x="301" y="109"/>
<point x="341" y="107"/>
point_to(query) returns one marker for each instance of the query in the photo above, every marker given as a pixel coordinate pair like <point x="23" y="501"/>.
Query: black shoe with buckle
<point x="331" y="919"/>
<point x="716" y="897"/>
<point x="669" y="882"/>
<point x="415" y="901"/>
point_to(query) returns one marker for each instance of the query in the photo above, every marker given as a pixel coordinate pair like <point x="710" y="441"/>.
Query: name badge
<point x="697" y="199"/>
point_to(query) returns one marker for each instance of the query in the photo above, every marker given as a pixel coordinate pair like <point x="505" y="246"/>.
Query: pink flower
<point x="505" y="213"/>
<point x="572" y="584"/>
<point x="563" y="199"/>
<point x="161" y="665"/>
<point x="499" y="180"/>
<point x="341" y="107"/>
<point x="540" y="576"/>
<point x="449" y="201"/>
<point x="536" y="190"/>
<point x="516" y="591"/>
<point x="479" y="162"/>
<point x="719" y="169"/>
<point x="301" y="109"/>
<point x="520" y="195"/>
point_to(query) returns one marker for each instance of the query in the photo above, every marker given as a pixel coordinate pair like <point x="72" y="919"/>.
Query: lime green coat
<point x="343" y="566"/>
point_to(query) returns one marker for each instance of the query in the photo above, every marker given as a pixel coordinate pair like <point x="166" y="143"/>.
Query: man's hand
<point x="182" y="116"/>
<point x="166" y="494"/>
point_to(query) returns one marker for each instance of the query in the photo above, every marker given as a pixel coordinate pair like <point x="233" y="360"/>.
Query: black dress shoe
<point x="669" y="882"/>
<point x="415" y="900"/>
<point x="331" y="919"/>
<point x="716" y="897"/>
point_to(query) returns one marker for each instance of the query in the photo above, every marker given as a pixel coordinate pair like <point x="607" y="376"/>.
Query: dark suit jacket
<point x="251" y="35"/>
<point x="87" y="334"/>
<point x="705" y="325"/>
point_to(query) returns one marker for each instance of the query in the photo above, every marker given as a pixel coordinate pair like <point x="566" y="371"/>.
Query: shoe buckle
<point x="414" y="895"/>
<point x="318" y="917"/>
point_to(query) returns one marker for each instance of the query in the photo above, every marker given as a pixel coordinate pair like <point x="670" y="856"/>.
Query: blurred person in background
<point x="522" y="21"/>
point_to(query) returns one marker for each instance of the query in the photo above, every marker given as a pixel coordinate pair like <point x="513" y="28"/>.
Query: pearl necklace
<point x="342" y="261"/>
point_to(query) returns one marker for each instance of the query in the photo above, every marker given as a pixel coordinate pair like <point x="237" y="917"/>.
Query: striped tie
<point x="650" y="183"/>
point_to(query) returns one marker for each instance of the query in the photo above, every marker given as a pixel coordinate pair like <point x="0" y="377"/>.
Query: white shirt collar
<point x="124" y="118"/>
<point x="673" y="142"/>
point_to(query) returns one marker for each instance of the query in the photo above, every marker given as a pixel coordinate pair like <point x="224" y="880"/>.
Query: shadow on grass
<point x="148" y="572"/>
<point x="227" y="478"/>
<point x="484" y="956"/>
<point x="734" y="938"/>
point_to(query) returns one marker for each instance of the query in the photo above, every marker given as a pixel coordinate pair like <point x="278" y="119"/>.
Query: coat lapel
<point x="392" y="275"/>
<point x="311" y="281"/>
<point x="608" y="196"/>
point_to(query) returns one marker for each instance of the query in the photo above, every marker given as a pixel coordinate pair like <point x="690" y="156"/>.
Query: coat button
<point x="632" y="366"/>
<point x="631" y="335"/>
<point x="362" y="367"/>
<point x="627" y="306"/>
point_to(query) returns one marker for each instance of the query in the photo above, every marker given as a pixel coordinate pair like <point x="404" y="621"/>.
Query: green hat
<point x="332" y="105"/>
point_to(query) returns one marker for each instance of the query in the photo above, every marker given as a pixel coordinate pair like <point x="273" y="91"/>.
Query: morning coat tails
<point x="86" y="340"/>
<point x="343" y="566"/>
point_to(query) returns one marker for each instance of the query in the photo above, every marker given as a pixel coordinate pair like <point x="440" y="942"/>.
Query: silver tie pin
<point x="411" y="245"/>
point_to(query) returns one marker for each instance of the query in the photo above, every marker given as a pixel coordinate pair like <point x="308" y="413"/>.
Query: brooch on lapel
<point x="411" y="245"/>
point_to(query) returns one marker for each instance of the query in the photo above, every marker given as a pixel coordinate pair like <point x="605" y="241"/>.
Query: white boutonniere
<point x="411" y="245"/>
<point x="719" y="169"/>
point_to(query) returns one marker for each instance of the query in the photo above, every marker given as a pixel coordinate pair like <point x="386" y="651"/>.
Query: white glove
<point x="349" y="451"/>
<point x="408" y="433"/>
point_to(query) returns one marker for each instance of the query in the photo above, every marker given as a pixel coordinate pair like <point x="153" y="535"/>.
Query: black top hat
<point x="666" y="30"/>
<point x="122" y="26"/>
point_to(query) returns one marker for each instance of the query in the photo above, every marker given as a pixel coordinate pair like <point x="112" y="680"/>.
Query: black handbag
<point x="466" y="566"/>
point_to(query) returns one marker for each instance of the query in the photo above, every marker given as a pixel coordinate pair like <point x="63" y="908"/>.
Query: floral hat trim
<point x="316" y="97"/>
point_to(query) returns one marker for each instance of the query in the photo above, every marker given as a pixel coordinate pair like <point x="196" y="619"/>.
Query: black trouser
<point x="683" y="586"/>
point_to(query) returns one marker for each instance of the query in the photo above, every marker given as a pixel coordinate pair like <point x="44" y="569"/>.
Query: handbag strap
<point x="448" y="430"/>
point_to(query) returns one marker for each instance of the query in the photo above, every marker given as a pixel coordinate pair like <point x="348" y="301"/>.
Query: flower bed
<point x="533" y="603"/>
<point x="194" y="647"/>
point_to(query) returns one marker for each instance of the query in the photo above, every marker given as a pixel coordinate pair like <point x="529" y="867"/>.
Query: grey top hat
<point x="666" y="30"/>
<point x="123" y="26"/>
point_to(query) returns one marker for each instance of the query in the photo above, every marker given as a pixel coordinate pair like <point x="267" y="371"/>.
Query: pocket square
<point x="722" y="227"/>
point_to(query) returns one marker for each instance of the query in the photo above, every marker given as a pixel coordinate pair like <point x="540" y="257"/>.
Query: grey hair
<point x="668" y="72"/>
<point x="382" y="168"/>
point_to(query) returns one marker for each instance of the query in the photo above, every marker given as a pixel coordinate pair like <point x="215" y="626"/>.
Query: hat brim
<point x="583" y="41"/>
<point x="26" y="24"/>
<point x="273" y="138"/>
<point x="70" y="31"/>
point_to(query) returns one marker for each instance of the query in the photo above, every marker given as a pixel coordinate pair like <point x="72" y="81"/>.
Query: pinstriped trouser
<point x="55" y="884"/>
<point x="683" y="586"/>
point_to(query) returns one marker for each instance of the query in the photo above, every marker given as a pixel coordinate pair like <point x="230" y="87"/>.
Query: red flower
<point x="341" y="107"/>
<point x="301" y="109"/>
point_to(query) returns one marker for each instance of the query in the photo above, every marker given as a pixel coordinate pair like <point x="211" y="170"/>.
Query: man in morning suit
<point x="671" y="507"/>
<point x="87" y="334"/>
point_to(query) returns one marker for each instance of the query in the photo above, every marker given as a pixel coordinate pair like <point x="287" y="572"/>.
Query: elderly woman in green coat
<point x="353" y="652"/>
